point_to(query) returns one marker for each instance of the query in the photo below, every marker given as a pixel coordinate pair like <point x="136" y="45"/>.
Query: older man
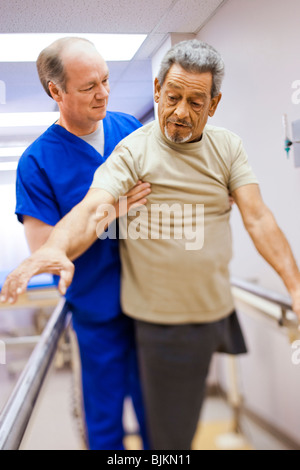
<point x="178" y="292"/>
<point x="54" y="174"/>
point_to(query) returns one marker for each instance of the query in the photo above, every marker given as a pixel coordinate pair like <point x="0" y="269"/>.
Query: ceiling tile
<point x="187" y="17"/>
<point x="131" y="82"/>
<point x="93" y="16"/>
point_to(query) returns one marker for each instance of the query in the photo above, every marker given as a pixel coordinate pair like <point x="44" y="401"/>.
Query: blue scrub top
<point x="54" y="174"/>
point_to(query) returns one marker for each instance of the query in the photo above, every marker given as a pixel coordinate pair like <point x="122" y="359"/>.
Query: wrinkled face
<point x="184" y="104"/>
<point x="87" y="88"/>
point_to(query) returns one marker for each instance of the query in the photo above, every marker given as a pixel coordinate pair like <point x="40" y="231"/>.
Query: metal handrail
<point x="282" y="301"/>
<point x="16" y="414"/>
<point x="290" y="321"/>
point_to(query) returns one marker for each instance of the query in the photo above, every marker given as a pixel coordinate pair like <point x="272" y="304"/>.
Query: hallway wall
<point x="259" y="41"/>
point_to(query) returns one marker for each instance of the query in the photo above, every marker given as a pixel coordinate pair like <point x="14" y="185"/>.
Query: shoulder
<point x="221" y="134"/>
<point x="47" y="138"/>
<point x="140" y="135"/>
<point x="227" y="143"/>
<point x="36" y="152"/>
<point x="119" y="119"/>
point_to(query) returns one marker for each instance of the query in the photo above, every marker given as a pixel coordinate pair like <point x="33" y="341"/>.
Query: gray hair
<point x="50" y="65"/>
<point x="194" y="56"/>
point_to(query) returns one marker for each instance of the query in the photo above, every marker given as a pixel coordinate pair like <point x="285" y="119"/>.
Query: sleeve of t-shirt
<point x="118" y="174"/>
<point x="241" y="172"/>
<point x="34" y="194"/>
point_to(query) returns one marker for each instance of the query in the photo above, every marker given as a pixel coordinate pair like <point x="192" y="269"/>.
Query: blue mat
<point x="40" y="281"/>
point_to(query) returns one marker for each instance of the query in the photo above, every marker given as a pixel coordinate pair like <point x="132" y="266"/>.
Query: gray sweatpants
<point x="174" y="362"/>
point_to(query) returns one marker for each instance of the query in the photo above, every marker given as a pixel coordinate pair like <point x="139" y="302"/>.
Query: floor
<point x="54" y="425"/>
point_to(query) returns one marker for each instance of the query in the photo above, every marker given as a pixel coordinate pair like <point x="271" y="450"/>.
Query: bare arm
<point x="71" y="237"/>
<point x="36" y="232"/>
<point x="76" y="232"/>
<point x="268" y="238"/>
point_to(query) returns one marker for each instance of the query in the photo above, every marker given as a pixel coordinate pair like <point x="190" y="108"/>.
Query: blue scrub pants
<point x="109" y="375"/>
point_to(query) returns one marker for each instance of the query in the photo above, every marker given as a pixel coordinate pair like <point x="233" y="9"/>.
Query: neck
<point x="76" y="129"/>
<point x="197" y="139"/>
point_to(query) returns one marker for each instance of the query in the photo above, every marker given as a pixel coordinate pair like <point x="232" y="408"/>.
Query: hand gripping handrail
<point x="17" y="412"/>
<point x="283" y="301"/>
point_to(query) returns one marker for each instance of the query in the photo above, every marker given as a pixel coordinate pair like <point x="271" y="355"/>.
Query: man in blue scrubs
<point x="54" y="174"/>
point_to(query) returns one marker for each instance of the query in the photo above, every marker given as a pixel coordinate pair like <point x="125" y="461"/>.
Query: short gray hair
<point x="50" y="64"/>
<point x="194" y="56"/>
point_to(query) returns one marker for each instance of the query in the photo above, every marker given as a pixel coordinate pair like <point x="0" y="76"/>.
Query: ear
<point x="214" y="104"/>
<point x="55" y="91"/>
<point x="157" y="90"/>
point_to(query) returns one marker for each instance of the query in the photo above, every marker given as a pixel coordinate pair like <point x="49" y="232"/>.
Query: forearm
<point x="68" y="239"/>
<point x="37" y="232"/>
<point x="268" y="239"/>
<point x="71" y="237"/>
<point x="75" y="233"/>
<point x="272" y="244"/>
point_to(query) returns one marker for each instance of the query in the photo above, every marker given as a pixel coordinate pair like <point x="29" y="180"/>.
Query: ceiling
<point x="131" y="82"/>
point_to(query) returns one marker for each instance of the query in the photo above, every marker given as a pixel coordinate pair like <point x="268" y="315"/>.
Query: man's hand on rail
<point x="295" y="295"/>
<point x="44" y="260"/>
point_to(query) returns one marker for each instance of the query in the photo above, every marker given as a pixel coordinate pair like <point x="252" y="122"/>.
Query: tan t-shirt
<point x="176" y="252"/>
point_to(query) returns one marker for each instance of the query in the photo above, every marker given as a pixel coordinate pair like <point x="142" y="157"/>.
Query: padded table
<point x="41" y="292"/>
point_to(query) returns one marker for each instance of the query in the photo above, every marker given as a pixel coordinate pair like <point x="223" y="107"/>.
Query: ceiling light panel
<point x="26" y="47"/>
<point x="28" y="119"/>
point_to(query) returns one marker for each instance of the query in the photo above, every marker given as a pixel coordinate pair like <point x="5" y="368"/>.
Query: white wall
<point x="12" y="240"/>
<point x="259" y="41"/>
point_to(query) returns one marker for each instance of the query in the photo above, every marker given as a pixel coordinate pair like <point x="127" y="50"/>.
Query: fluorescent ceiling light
<point x="26" y="47"/>
<point x="8" y="166"/>
<point x="11" y="151"/>
<point x="27" y="119"/>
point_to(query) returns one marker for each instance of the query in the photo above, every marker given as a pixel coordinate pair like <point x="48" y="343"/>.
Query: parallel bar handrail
<point x="282" y="301"/>
<point x="16" y="414"/>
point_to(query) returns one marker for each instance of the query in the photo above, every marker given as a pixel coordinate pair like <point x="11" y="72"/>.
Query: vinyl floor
<point x="55" y="426"/>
